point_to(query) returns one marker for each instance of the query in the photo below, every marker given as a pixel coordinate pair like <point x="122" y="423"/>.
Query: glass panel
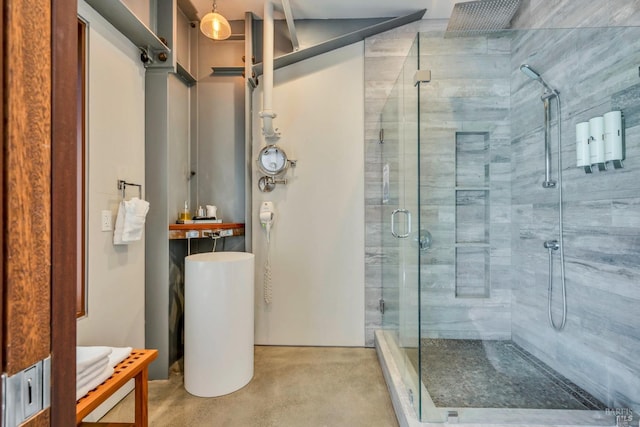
<point x="400" y="225"/>
<point x="486" y="346"/>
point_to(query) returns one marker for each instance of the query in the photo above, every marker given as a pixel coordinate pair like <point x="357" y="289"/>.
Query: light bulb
<point x="215" y="26"/>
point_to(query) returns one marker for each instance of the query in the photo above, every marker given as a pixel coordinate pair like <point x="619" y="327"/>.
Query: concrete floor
<point x="292" y="386"/>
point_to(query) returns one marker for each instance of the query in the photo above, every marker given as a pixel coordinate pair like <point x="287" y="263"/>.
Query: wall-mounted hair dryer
<point x="266" y="220"/>
<point x="266" y="217"/>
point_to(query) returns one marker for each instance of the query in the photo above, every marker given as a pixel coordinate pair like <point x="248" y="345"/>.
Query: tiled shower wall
<point x="596" y="71"/>
<point x="464" y="186"/>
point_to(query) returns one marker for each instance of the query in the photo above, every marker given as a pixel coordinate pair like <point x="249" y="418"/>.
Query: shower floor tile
<point x="495" y="374"/>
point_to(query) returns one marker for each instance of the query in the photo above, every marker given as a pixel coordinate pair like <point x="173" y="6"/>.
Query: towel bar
<point x="122" y="186"/>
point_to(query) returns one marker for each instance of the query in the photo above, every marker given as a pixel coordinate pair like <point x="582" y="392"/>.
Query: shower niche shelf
<point x="472" y="221"/>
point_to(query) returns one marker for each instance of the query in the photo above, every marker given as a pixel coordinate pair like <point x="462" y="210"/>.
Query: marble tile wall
<point x="466" y="289"/>
<point x="576" y="13"/>
<point x="596" y="71"/>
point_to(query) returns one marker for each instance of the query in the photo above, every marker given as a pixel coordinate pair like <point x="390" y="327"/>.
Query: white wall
<point x="317" y="247"/>
<point x="115" y="150"/>
<point x="142" y="9"/>
<point x="115" y="137"/>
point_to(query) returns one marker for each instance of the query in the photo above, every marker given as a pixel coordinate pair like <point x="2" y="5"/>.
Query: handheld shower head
<point x="530" y="72"/>
<point x="534" y="75"/>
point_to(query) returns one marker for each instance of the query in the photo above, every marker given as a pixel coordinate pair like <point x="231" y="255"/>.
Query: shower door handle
<point x="393" y="223"/>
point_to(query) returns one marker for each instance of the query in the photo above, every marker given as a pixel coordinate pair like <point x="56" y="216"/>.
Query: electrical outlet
<point x="106" y="222"/>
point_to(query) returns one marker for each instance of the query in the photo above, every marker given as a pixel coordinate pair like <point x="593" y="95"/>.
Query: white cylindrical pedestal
<point x="218" y="322"/>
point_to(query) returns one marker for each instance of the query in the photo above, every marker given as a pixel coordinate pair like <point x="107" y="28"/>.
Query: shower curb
<point x="399" y="397"/>
<point x="404" y="409"/>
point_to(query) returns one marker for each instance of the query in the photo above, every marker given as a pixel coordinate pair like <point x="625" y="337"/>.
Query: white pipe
<point x="267" y="113"/>
<point x="267" y="53"/>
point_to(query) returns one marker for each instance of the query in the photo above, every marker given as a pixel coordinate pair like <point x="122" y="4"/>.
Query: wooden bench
<point x="134" y="366"/>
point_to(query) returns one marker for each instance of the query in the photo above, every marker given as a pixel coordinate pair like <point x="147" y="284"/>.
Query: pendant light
<point x="214" y="25"/>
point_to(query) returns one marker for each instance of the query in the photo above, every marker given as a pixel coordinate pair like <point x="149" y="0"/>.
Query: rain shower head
<point x="479" y="17"/>
<point x="534" y="75"/>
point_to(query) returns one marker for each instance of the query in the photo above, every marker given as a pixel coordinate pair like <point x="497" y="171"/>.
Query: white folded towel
<point x="95" y="369"/>
<point x="89" y="384"/>
<point x="90" y="379"/>
<point x="118" y="354"/>
<point x="130" y="221"/>
<point x="87" y="357"/>
<point x="97" y="366"/>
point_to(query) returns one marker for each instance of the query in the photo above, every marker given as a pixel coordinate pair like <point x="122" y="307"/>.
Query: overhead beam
<point x="341" y="41"/>
<point x="288" y="15"/>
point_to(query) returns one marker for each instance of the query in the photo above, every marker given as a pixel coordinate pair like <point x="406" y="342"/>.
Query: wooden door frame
<point x="60" y="206"/>
<point x="2" y="53"/>
<point x="64" y="200"/>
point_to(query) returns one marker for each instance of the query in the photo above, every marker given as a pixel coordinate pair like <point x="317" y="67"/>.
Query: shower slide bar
<point x="549" y="93"/>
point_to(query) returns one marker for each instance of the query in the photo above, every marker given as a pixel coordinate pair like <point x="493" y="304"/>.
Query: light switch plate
<point x="105" y="221"/>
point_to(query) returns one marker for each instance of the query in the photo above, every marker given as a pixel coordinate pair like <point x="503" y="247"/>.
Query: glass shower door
<point x="400" y="225"/>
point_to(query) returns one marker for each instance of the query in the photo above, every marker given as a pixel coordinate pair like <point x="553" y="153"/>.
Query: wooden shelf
<point x="179" y="231"/>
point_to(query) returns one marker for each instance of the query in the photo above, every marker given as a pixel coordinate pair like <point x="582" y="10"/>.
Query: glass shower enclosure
<point x="399" y="136"/>
<point x="465" y="292"/>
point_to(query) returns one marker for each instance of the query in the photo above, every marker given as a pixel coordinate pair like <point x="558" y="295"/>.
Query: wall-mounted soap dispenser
<point x="583" y="157"/>
<point x="604" y="144"/>
<point x="596" y="142"/>
<point x="613" y="138"/>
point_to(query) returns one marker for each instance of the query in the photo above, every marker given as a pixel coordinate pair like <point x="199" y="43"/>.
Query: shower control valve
<point x="552" y="245"/>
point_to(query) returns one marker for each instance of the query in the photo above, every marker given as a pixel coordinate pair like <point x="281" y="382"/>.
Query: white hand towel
<point x="117" y="233"/>
<point x="135" y="215"/>
<point x="118" y="354"/>
<point x="130" y="221"/>
<point x="86" y="357"/>
<point x="86" y="386"/>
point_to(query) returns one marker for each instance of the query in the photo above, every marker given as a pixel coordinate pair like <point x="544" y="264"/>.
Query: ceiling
<point x="331" y="9"/>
